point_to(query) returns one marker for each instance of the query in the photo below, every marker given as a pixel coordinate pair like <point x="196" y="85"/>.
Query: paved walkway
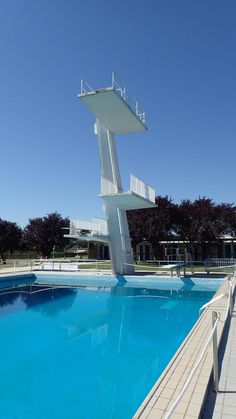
<point x="171" y="382"/>
<point x="223" y="405"/>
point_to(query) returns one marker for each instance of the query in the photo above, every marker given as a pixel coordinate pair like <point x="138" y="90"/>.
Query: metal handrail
<point x="213" y="336"/>
<point x="120" y="87"/>
<point x="212" y="301"/>
<point x="85" y="88"/>
<point x="211" y="262"/>
<point x="98" y="226"/>
<point x="58" y="265"/>
<point x="192" y="372"/>
<point x="221" y="266"/>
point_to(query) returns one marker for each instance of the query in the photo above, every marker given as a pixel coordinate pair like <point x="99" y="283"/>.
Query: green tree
<point x="10" y="238"/>
<point x="153" y="224"/>
<point x="136" y="222"/>
<point x="43" y="235"/>
<point x="160" y="223"/>
<point x="204" y="222"/>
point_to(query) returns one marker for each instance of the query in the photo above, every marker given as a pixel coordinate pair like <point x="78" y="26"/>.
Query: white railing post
<point x="230" y="298"/>
<point x="113" y="79"/>
<point x="124" y="93"/>
<point x="215" y="353"/>
<point x="121" y="268"/>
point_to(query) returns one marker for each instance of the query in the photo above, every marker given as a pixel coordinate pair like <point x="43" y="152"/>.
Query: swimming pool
<point x="90" y="351"/>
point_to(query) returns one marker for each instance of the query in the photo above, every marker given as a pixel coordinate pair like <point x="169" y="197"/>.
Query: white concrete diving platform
<point x="139" y="196"/>
<point x="106" y="104"/>
<point x="128" y="201"/>
<point x="90" y="231"/>
<point x="116" y="112"/>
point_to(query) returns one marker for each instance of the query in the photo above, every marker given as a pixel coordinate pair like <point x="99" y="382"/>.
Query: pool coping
<point x="169" y="385"/>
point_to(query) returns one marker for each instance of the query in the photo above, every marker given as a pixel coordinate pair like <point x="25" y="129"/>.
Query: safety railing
<point x="218" y="262"/>
<point x="97" y="226"/>
<point x="141" y="188"/>
<point x="211" y="302"/>
<point x="120" y="87"/>
<point x="100" y="226"/>
<point x="216" y="317"/>
<point x="98" y="265"/>
<point x="15" y="264"/>
<point x="85" y="88"/>
<point x="95" y="266"/>
<point x="225" y="266"/>
<point x="108" y="187"/>
<point x="136" y="185"/>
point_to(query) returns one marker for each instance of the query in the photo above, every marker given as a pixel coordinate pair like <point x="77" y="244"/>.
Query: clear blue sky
<point x="177" y="57"/>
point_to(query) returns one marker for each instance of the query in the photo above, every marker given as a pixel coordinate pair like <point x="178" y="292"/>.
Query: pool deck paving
<point x="222" y="405"/>
<point x="168" y="387"/>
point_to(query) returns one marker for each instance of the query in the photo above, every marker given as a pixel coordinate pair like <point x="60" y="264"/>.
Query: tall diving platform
<point x="116" y="112"/>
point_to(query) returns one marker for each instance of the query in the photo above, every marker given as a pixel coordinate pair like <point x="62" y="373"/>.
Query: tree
<point x="153" y="224"/>
<point x="225" y="220"/>
<point x="160" y="223"/>
<point x="10" y="237"/>
<point x="43" y="235"/>
<point x="203" y="222"/>
<point x="136" y="222"/>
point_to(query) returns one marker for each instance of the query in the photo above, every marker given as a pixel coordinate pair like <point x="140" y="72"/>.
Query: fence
<point x="72" y="265"/>
<point x="158" y="267"/>
<point x="216" y="262"/>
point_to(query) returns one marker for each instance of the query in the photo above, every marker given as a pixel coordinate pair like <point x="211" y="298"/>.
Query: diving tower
<point x="116" y="112"/>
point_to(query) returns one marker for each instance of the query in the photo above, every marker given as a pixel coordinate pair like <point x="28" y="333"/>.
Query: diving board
<point x="173" y="267"/>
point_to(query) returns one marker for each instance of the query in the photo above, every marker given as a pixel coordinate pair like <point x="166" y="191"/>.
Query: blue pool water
<point x="90" y="352"/>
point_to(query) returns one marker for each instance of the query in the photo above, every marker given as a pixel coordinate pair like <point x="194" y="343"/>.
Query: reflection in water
<point x="8" y="298"/>
<point x="36" y="298"/>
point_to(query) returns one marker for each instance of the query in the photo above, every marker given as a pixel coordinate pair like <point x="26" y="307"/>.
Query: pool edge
<point x="167" y="388"/>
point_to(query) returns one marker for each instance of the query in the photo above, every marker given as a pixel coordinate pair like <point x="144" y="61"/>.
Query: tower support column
<point x="119" y="238"/>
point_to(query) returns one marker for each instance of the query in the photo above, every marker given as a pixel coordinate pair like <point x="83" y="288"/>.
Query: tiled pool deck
<point x="166" y="390"/>
<point x="223" y="404"/>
